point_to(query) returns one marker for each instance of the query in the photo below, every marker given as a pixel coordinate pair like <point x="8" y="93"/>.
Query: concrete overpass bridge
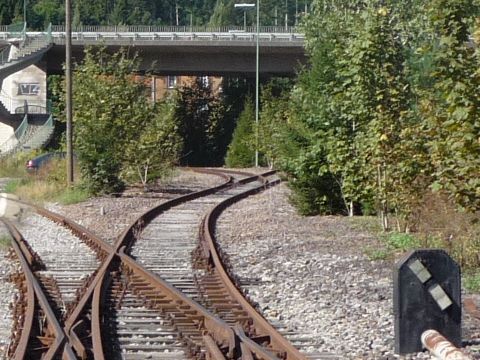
<point x="27" y="57"/>
<point x="186" y="50"/>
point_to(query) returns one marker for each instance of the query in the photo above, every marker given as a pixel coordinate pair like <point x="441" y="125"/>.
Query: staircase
<point x="35" y="130"/>
<point x="38" y="135"/>
<point x="28" y="136"/>
<point x="29" y="52"/>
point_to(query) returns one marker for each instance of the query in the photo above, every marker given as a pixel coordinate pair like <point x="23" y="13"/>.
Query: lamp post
<point x="245" y="7"/>
<point x="25" y="11"/>
<point x="257" y="72"/>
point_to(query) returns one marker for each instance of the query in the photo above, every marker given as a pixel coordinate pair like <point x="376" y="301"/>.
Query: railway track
<point x="160" y="292"/>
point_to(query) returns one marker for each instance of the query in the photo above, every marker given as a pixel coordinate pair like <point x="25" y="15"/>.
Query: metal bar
<point x="439" y="346"/>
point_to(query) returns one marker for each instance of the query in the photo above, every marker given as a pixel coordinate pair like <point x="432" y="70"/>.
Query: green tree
<point x="451" y="106"/>
<point x="112" y="118"/>
<point x="51" y="11"/>
<point x="241" y="151"/>
<point x="273" y="119"/>
<point x="157" y="147"/>
<point x="222" y="14"/>
<point x="199" y="114"/>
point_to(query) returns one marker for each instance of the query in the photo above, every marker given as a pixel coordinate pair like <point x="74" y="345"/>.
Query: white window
<point x="171" y="82"/>
<point x="29" y="89"/>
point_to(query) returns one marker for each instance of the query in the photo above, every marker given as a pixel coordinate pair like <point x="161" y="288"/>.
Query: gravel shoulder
<point x="313" y="275"/>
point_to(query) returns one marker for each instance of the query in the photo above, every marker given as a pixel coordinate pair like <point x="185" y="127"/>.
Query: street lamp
<point x="25" y="12"/>
<point x="257" y="73"/>
<point x="245" y="7"/>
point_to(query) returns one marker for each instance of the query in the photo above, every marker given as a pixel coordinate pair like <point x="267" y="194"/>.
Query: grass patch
<point x="13" y="185"/>
<point x="366" y="223"/>
<point x="46" y="185"/>
<point x="392" y="243"/>
<point x="471" y="281"/>
<point x="378" y="254"/>
<point x="73" y="196"/>
<point x="402" y="241"/>
<point x="5" y="241"/>
<point x="40" y="191"/>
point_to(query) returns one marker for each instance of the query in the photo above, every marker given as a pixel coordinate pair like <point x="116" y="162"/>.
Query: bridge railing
<point x="59" y="37"/>
<point x="175" y="29"/>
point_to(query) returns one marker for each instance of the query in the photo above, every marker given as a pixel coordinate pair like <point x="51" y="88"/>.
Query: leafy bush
<point x="241" y="151"/>
<point x="113" y="119"/>
<point x="14" y="166"/>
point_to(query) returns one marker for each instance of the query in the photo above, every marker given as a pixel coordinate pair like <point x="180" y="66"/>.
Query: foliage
<point x="274" y="118"/>
<point x="402" y="241"/>
<point x="386" y="110"/>
<point x="150" y="12"/>
<point x="223" y="13"/>
<point x="12" y="185"/>
<point x="241" y="151"/>
<point x="157" y="147"/>
<point x="451" y="107"/>
<point x="199" y="114"/>
<point x="377" y="254"/>
<point x="109" y="101"/>
<point x="14" y="166"/>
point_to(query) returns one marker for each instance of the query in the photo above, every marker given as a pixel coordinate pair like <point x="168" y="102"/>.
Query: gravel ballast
<point x="311" y="274"/>
<point x="314" y="276"/>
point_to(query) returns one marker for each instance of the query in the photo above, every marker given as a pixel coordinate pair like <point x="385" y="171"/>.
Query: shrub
<point x="241" y="151"/>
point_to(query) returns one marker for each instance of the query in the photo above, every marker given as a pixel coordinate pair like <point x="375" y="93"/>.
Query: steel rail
<point x="108" y="253"/>
<point x="222" y="333"/>
<point x="22" y="346"/>
<point x="96" y="287"/>
<point x="210" y="247"/>
<point x="218" y="329"/>
<point x="54" y="327"/>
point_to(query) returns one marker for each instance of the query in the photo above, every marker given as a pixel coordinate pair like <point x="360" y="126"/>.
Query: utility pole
<point x="68" y="80"/>
<point x="257" y="80"/>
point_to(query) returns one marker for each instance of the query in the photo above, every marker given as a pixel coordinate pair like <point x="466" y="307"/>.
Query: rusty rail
<point x="36" y="295"/>
<point x="210" y="247"/>
<point x="218" y="332"/>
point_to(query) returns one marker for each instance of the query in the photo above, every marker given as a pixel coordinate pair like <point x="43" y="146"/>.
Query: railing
<point x="128" y="37"/>
<point x="4" y="55"/>
<point x="28" y="46"/>
<point x="13" y="140"/>
<point x="18" y="28"/>
<point x="33" y="109"/>
<point x="176" y="29"/>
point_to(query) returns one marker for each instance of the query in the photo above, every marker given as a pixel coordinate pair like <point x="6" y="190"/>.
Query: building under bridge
<point x="169" y="53"/>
